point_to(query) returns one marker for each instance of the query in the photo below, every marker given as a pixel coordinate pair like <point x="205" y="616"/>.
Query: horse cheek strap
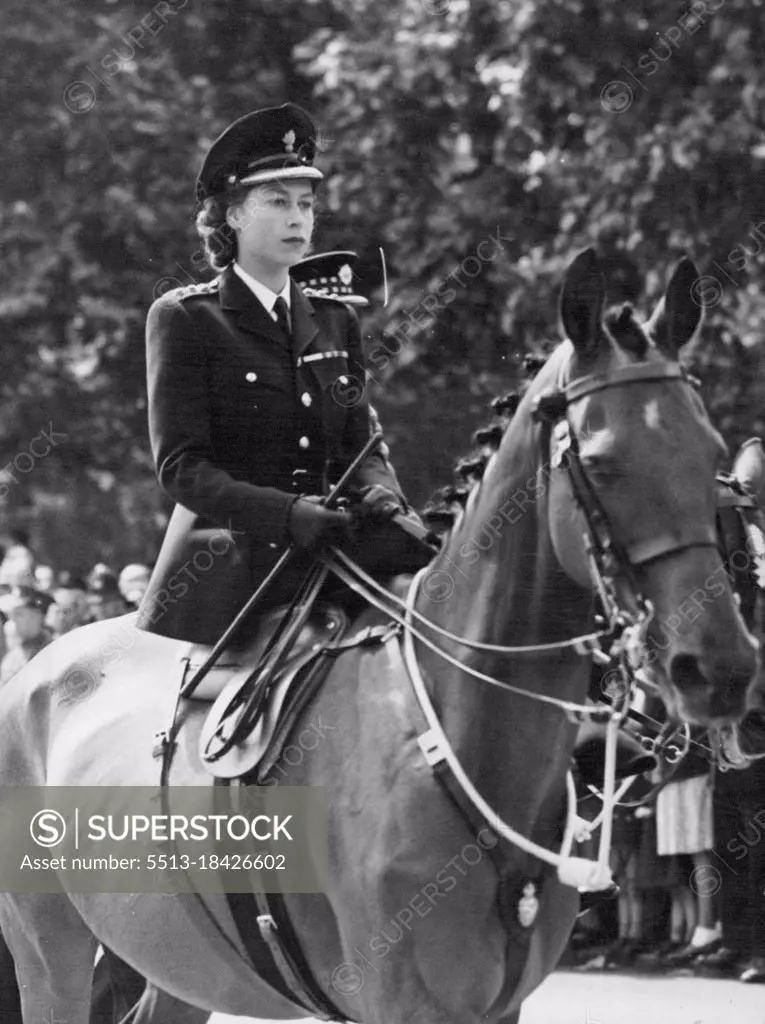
<point x="568" y="530"/>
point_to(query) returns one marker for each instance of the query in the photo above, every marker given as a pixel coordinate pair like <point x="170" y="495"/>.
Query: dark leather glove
<point x="375" y="501"/>
<point x="311" y="526"/>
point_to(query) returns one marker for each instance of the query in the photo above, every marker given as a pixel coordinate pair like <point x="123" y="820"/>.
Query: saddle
<point x="257" y="703"/>
<point x="258" y="691"/>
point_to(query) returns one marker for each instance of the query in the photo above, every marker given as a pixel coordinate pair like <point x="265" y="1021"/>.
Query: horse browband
<point x="636" y="373"/>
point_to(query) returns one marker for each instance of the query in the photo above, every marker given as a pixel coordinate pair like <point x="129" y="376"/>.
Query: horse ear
<point x="677" y="316"/>
<point x="749" y="467"/>
<point x="581" y="303"/>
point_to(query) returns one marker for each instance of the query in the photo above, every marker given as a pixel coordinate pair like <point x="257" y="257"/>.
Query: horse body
<point x="378" y="784"/>
<point x="422" y="918"/>
<point x="93" y="709"/>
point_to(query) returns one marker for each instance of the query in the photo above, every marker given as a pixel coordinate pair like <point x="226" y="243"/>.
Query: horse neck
<point x="508" y="589"/>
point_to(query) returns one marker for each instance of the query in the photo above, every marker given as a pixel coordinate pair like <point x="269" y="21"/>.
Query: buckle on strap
<point x="290" y="972"/>
<point x="430" y="745"/>
<point x="163" y="744"/>
<point x="588" y="647"/>
<point x="371" y="636"/>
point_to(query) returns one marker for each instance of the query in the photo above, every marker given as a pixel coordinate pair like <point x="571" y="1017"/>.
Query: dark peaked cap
<point x="273" y="144"/>
<point x="329" y="275"/>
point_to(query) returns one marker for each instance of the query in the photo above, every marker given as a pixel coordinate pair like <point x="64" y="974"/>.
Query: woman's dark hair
<point x="218" y="237"/>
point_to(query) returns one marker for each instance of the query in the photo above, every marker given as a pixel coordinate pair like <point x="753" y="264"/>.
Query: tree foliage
<point x="545" y="126"/>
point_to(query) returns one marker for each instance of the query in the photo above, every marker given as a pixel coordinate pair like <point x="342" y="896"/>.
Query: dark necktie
<point x="283" y="317"/>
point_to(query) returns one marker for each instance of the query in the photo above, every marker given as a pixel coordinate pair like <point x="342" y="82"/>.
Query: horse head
<point x="633" y="459"/>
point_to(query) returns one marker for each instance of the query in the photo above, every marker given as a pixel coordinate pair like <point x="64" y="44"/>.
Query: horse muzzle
<point x="713" y="690"/>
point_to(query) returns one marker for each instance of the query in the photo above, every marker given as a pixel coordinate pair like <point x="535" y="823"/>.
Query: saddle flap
<point x="234" y="663"/>
<point x="279" y="696"/>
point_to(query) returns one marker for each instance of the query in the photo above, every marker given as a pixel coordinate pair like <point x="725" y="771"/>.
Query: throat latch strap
<point x="668" y="544"/>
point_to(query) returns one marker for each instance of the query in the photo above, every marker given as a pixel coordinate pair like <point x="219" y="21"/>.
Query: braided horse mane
<point x="443" y="506"/>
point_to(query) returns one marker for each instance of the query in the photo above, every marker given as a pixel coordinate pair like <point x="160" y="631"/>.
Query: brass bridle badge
<point x="528" y="906"/>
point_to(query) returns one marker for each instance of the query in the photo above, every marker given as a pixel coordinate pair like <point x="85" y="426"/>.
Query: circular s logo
<point x="616" y="97"/>
<point x="47" y="828"/>
<point x="348" y="391"/>
<point x="437" y="585"/>
<point x="347" y="978"/>
<point x="705" y="880"/>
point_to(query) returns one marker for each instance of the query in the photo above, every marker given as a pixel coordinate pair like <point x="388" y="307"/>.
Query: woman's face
<point x="274" y="223"/>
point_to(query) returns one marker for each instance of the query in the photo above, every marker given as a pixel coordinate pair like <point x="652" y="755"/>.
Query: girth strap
<point x="287" y="956"/>
<point x="299" y="985"/>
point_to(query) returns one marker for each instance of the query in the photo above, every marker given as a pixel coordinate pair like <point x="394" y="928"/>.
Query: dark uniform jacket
<point x="241" y="422"/>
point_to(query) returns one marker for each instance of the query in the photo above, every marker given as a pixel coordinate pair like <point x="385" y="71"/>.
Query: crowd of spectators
<point x="689" y="861"/>
<point x="39" y="603"/>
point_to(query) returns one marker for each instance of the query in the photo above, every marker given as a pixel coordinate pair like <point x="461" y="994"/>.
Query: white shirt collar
<point x="264" y="295"/>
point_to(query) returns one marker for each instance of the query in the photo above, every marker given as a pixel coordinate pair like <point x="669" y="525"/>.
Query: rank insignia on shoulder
<point x="190" y="290"/>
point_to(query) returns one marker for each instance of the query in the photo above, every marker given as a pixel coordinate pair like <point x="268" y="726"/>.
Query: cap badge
<point x="345" y="274"/>
<point x="289" y="140"/>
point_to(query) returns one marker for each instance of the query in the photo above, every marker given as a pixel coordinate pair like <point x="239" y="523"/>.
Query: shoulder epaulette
<point x="190" y="290"/>
<point x="318" y="297"/>
<point x="333" y="300"/>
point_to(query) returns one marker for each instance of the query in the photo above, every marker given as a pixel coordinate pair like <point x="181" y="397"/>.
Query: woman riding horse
<point x="432" y="748"/>
<point x="257" y="396"/>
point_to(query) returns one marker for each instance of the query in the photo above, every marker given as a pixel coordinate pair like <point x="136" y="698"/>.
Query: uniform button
<point x="304" y="442"/>
<point x="306" y="399"/>
<point x="272" y="545"/>
<point x="343" y="379"/>
<point x="252" y="377"/>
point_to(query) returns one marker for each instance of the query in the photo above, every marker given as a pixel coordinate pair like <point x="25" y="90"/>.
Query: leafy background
<point x="559" y="123"/>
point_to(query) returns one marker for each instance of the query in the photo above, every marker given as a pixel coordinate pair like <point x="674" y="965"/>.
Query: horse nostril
<point x="724" y="691"/>
<point x="751" y="733"/>
<point x="685" y="673"/>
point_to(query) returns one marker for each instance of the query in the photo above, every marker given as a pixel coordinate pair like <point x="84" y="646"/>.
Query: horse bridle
<point x="609" y="559"/>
